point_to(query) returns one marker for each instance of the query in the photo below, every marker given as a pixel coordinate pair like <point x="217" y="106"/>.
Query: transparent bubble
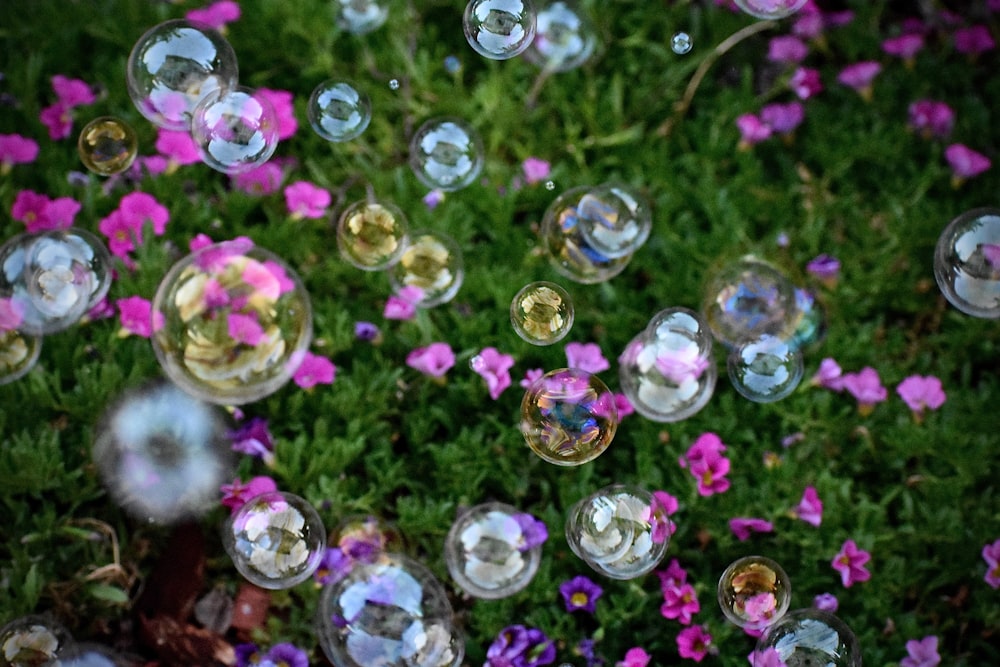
<point x="550" y="185"/>
<point x="765" y="369"/>
<point x="107" y="145"/>
<point x="162" y="454"/>
<point x="372" y="235"/>
<point x="569" y="251"/>
<point x="486" y="554"/>
<point x="807" y="637"/>
<point x="613" y="220"/>
<point x="446" y="153"/>
<point x="32" y="641"/>
<point x="770" y="9"/>
<point x="231" y="322"/>
<point x="174" y="66"/>
<point x="432" y="263"/>
<point x="967" y="262"/>
<point x="564" y="39"/>
<point x="542" y="313"/>
<point x="18" y="354"/>
<point x="681" y="43"/>
<point x="393" y="84"/>
<point x="392" y="613"/>
<point x="499" y="29"/>
<point x="748" y="298"/>
<point x="667" y="371"/>
<point x="360" y="17"/>
<point x="235" y="130"/>
<point x="452" y="65"/>
<point x="91" y="655"/>
<point x="811" y="326"/>
<point x="621" y="531"/>
<point x="364" y="537"/>
<point x="568" y="417"/>
<point x="338" y="111"/>
<point x="276" y="540"/>
<point x="754" y="592"/>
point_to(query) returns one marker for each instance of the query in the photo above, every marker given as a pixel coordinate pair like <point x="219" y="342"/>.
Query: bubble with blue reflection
<point x="967" y="262"/>
<point x="499" y="29"/>
<point x="235" y="130"/>
<point x="564" y="38"/>
<point x="338" y="111"/>
<point x="446" y="153"/>
<point x="569" y="251"/>
<point x="810" y="637"/>
<point x="765" y="369"/>
<point x="770" y="9"/>
<point x="360" y="17"/>
<point x="614" y="220"/>
<point x="749" y="298"/>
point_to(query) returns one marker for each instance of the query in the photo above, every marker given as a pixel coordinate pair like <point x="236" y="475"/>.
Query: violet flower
<point x="580" y="594"/>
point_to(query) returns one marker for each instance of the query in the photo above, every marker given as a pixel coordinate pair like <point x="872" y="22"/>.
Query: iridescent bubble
<point x="338" y="111"/>
<point x="754" y="592"/>
<point x="91" y="655"/>
<point x="621" y="531"/>
<point x="32" y="641"/>
<point x="499" y="29"/>
<point x="486" y="553"/>
<point x="431" y="263"/>
<point x="372" y="235"/>
<point x="18" y="354"/>
<point x="568" y="417"/>
<point x="613" y="220"/>
<point x="770" y="9"/>
<point x="174" y="66"/>
<point x="748" y="298"/>
<point x="542" y="313"/>
<point x="967" y="262"/>
<point x="811" y="326"/>
<point x="391" y="612"/>
<point x="681" y="43"/>
<point x="232" y="323"/>
<point x="235" y="130"/>
<point x="107" y="145"/>
<point x="765" y="369"/>
<point x="564" y="39"/>
<point x="807" y="637"/>
<point x="276" y="540"/>
<point x="162" y="454"/>
<point x="568" y="249"/>
<point x="446" y="153"/>
<point x="360" y="17"/>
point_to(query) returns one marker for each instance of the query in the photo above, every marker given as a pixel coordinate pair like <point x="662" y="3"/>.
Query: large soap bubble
<point x="748" y="298"/>
<point x="807" y="637"/>
<point x="338" y="111"/>
<point x="499" y="29"/>
<point x="765" y="369"/>
<point x="107" y="145"/>
<point x="542" y="313"/>
<point x="432" y="263"/>
<point x="569" y="251"/>
<point x="967" y="262"/>
<point x="770" y="9"/>
<point x="32" y="641"/>
<point x="359" y="17"/>
<point x="446" y="153"/>
<point x="174" y="66"/>
<point x="754" y="592"/>
<point x="235" y="130"/>
<point x="372" y="235"/>
<point x="564" y="39"/>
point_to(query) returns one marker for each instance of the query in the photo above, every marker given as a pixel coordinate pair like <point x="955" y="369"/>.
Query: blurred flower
<point x="285" y="655"/>
<point x="808" y="24"/>
<point x="39" y="213"/>
<point x="752" y="130"/>
<point x="534" y="533"/>
<point x="838" y="18"/>
<point x="860" y="76"/>
<point x="826" y="268"/>
<point x="138" y="208"/>
<point x="635" y="657"/>
<point x="580" y="594"/>
<point x="58" y="119"/>
<point x="849" y="562"/>
<point x="742" y="527"/>
<point x="314" y="370"/>
<point x="625" y="407"/>
<point x="520" y="646"/>
<point x="15" y="149"/>
<point x="829" y="375"/>
<point x="783" y="118"/>
<point x="254" y="439"/>
<point x="535" y="170"/>
<point x="669" y="505"/>
<point x="137" y="317"/>
<point x="305" y="200"/>
<point x="284" y="109"/>
<point x="494" y="367"/>
<point x="810" y="508"/>
<point x="680" y="602"/>
<point x="530" y="376"/>
<point x="586" y="357"/>
<point x="769" y="657"/>
<point x="247" y="655"/>
<point x="965" y="163"/>
<point x="367" y="331"/>
<point x="921" y="392"/>
<point x="334" y="566"/>
<point x="72" y="92"/>
<point x="216" y="15"/>
<point x="11" y="314"/>
<point x="973" y="40"/>
<point x="433" y="198"/>
<point x="178" y="147"/>
<point x="931" y="119"/>
<point x="787" y="49"/>
<point x="682" y="365"/>
<point x="401" y="306"/>
<point x="262" y="180"/>
<point x="805" y="83"/>
<point x="585" y="649"/>
<point x="236" y="495"/>
<point x="991" y="554"/>
<point x="905" y="46"/>
<point x="694" y="642"/>
<point x="244" y="329"/>
<point x="433" y="360"/>
<point x="826" y="602"/>
<point x="921" y="653"/>
<point x="866" y="387"/>
<point x="674" y="575"/>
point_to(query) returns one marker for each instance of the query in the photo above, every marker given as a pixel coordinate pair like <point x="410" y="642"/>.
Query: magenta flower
<point x="433" y="198"/>
<point x="974" y="40"/>
<point x="215" y="15"/>
<point x="138" y="208"/>
<point x="991" y="554"/>
<point x="829" y="376"/>
<point x="530" y="376"/>
<point x="137" y="317"/>
<point x="921" y="392"/>
<point x="787" y="49"/>
<point x="635" y="657"/>
<point x="15" y="149"/>
<point x="586" y="357"/>
<point x="965" y="162"/>
<point x="826" y="602"/>
<point x="72" y="92"/>
<point x="580" y="594"/>
<point x="850" y="562"/>
<point x="236" y="495"/>
<point x="284" y="109"/>
<point x="711" y="472"/>
<point x="769" y="657"/>
<point x="805" y="83"/>
<point x="707" y="445"/>
<point x="245" y="329"/>
<point x="921" y="653"/>
<point x="178" y="147"/>
<point x="808" y="25"/>
<point x="30" y="208"/>
<point x="694" y="642"/>
<point x="905" y="46"/>
<point x="11" y="314"/>
<point x="866" y="387"/>
<point x="860" y="76"/>
<point x="402" y="306"/>
<point x="535" y="170"/>
<point x="625" y="407"/>
<point x="263" y="180"/>
<point x="314" y="370"/>
<point x="680" y="603"/>
<point x="433" y="360"/>
<point x="674" y="575"/>
<point x="58" y="118"/>
<point x="810" y="508"/>
<point x="534" y="532"/>
<point x="931" y="119"/>
<point x="752" y="129"/>
<point x="305" y="200"/>
<point x="825" y="267"/>
<point x="61" y="212"/>
<point x="669" y="505"/>
<point x="839" y="18"/>
<point x="783" y="118"/>
<point x="494" y="367"/>
<point x="743" y="527"/>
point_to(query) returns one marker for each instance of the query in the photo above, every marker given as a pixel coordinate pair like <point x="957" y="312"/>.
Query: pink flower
<point x="403" y="305"/>
<point x="920" y="393"/>
<point x="244" y="329"/>
<point x="674" y="575"/>
<point x="866" y="387"/>
<point x="808" y="25"/>
<point x="61" y="212"/>
<point x="669" y="505"/>
<point x="743" y="527"/>
<point x="787" y="49"/>
<point x="826" y="602"/>
<point x="262" y="180"/>
<point x="121" y="236"/>
<point x="535" y="170"/>
<point x="11" y="314"/>
<point x="711" y="472"/>
<point x="215" y="15"/>
<point x="137" y="317"/>
<point x="314" y="370"/>
<point x="838" y="19"/>
<point x="284" y="109"/>
<point x="236" y="495"/>
<point x="783" y="118"/>
<point x="752" y="130"/>
<point x="828" y="376"/>
<point x="965" y="162"/>
<point x="625" y="407"/>
<point x="494" y="367"/>
<point x="178" y="147"/>
<point x="30" y="208"/>
<point x="991" y="554"/>
<point x="138" y="208"/>
<point x="15" y="149"/>
<point x="707" y="445"/>
<point x="932" y="119"/>
<point x="680" y="603"/>
<point x="433" y="360"/>
<point x="905" y="46"/>
<point x="974" y="40"/>
<point x="305" y="200"/>
<point x="810" y="508"/>
<point x="849" y="562"/>
<point x="769" y="657"/>
<point x="58" y="118"/>
<point x="694" y="642"/>
<point x="72" y="92"/>
<point x="200" y="241"/>
<point x="921" y="653"/>
<point x="433" y="198"/>
<point x="860" y="76"/>
<point x="586" y="357"/>
<point x="530" y="376"/>
<point x="635" y="657"/>
<point x="805" y="83"/>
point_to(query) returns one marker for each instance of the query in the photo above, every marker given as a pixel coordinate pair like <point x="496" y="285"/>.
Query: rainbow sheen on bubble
<point x="805" y="637"/>
<point x="432" y="263"/>
<point x="748" y="298"/>
<point x="770" y="9"/>
<point x="107" y="145"/>
<point x="542" y="313"/>
<point x="967" y="262"/>
<point x="569" y="251"/>
<point x="235" y="130"/>
<point x="564" y="38"/>
<point x="765" y="369"/>
<point x="372" y="235"/>
<point x="754" y="592"/>
<point x="338" y="111"/>
<point x="446" y="153"/>
<point x="810" y="328"/>
<point x="360" y="17"/>
<point x="499" y="29"/>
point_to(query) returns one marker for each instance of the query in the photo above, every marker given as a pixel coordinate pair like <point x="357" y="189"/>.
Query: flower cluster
<point x="39" y="213"/>
<point x="520" y="646"/>
<point x="70" y="93"/>
<point x="279" y="655"/>
<point x="125" y="225"/>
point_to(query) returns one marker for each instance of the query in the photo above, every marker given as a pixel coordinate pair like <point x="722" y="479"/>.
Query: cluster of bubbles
<point x="967" y="262"/>
<point x="565" y="38"/>
<point x="446" y="154"/>
<point x="499" y="29"/>
<point x="35" y="641"/>
<point x="542" y="313"/>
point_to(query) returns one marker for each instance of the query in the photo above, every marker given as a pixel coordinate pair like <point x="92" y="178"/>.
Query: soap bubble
<point x="393" y="613"/>
<point x="32" y="641"/>
<point x="749" y="298"/>
<point x="235" y="130"/>
<point x="91" y="655"/>
<point x="568" y="417"/>
<point x="499" y="29"/>
<point x="754" y="592"/>
<point x="18" y="354"/>
<point x="236" y="322"/>
<point x="107" y="145"/>
<point x="806" y="637"/>
<point x="372" y="235"/>
<point x="452" y="65"/>
<point x="770" y="9"/>
<point x="542" y="313"/>
<point x="667" y="372"/>
<point x="811" y="325"/>
<point x="569" y="251"/>
<point x="564" y="39"/>
<point x="338" y="111"/>
<point x="621" y="531"/>
<point x="967" y="262"/>
<point x="486" y="554"/>
<point x="162" y="454"/>
<point x="276" y="540"/>
<point x="765" y="369"/>
<point x="393" y="84"/>
<point x="613" y="220"/>
<point x="446" y="153"/>
<point x="174" y="66"/>
<point x="681" y="43"/>
<point x="364" y="537"/>
<point x="432" y="263"/>
<point x="360" y="17"/>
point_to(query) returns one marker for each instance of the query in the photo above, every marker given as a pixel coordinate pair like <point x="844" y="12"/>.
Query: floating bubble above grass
<point x="568" y="417"/>
<point x="18" y="354"/>
<point x="811" y="637"/>
<point x="681" y="43"/>
<point x="770" y="9"/>
<point x="499" y="29"/>
<point x="765" y="369"/>
<point x="810" y="328"/>
<point x="372" y="235"/>
<point x="967" y="262"/>
<point x="360" y="17"/>
<point x="431" y="262"/>
<point x="107" y="145"/>
<point x="613" y="220"/>
<point x="338" y="111"/>
<point x="754" y="592"/>
<point x="231" y="323"/>
<point x="393" y="84"/>
<point x="564" y="38"/>
<point x="235" y="130"/>
<point x="446" y="153"/>
<point x="174" y="66"/>
<point x="748" y="298"/>
<point x="32" y="641"/>
<point x="569" y="251"/>
<point x="542" y="313"/>
<point x="276" y="540"/>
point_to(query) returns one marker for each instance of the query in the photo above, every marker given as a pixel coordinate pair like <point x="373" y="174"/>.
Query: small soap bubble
<point x="32" y="641"/>
<point x="564" y="38"/>
<point x="393" y="84"/>
<point x="338" y="111"/>
<point x="235" y="130"/>
<point x="446" y="153"/>
<point x="499" y="29"/>
<point x="432" y="263"/>
<point x="107" y="145"/>
<point x="372" y="235"/>
<point x="770" y="9"/>
<point x="806" y="637"/>
<point x="754" y="592"/>
<point x="18" y="354"/>
<point x="613" y="220"/>
<point x="360" y="17"/>
<point x="276" y="540"/>
<point x="681" y="43"/>
<point x="568" y="249"/>
<point x="765" y="369"/>
<point x="542" y="313"/>
<point x="452" y="65"/>
<point x="748" y="298"/>
<point x="550" y="185"/>
<point x="967" y="262"/>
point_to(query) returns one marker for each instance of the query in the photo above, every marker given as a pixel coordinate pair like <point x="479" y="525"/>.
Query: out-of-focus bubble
<point x="162" y="454"/>
<point x="811" y="637"/>
<point x="372" y="235"/>
<point x="107" y="145"/>
<point x="276" y="540"/>
<point x="360" y="17"/>
<point x="810" y="328"/>
<point x="18" y="354"/>
<point x="91" y="655"/>
<point x="765" y="369"/>
<point x="431" y="262"/>
<point x="613" y="220"/>
<point x="568" y="417"/>
<point x="452" y="65"/>
<point x="236" y="323"/>
<point x="446" y="153"/>
<point x="338" y="111"/>
<point x="621" y="531"/>
<point x="667" y="371"/>
<point x="681" y="43"/>
<point x="568" y="249"/>
<point x="749" y="298"/>
<point x="550" y="185"/>
<point x="754" y="592"/>
<point x="174" y="66"/>
<point x="564" y="38"/>
<point x="365" y="537"/>
<point x="391" y="612"/>
<point x="770" y="9"/>
<point x="542" y="313"/>
<point x="235" y="130"/>
<point x="499" y="29"/>
<point x="967" y="262"/>
<point x="393" y="84"/>
<point x="32" y="641"/>
<point x="485" y="552"/>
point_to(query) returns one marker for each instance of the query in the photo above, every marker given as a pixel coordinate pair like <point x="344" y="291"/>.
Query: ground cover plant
<point x="836" y="144"/>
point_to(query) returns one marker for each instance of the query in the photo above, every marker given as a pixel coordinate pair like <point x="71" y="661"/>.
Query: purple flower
<point x="580" y="594"/>
<point x="860" y="76"/>
<point x="783" y="118"/>
<point x="810" y="508"/>
<point x="236" y="495"/>
<point x="974" y="40"/>
<point x="787" y="49"/>
<point x="805" y="83"/>
<point x="850" y="563"/>
<point x="825" y="267"/>
<point x="534" y="533"/>
<point x="494" y="367"/>
<point x="262" y="180"/>
<point x="433" y="360"/>
<point x="586" y="357"/>
<point x="743" y="527"/>
<point x="965" y="162"/>
<point x="287" y="655"/>
<point x="247" y="655"/>
<point x="433" y="198"/>
<point x="15" y="149"/>
<point x="931" y="119"/>
<point x="519" y="646"/>
<point x="535" y="170"/>
<point x="905" y="46"/>
<point x="530" y="376"/>
<point x="826" y="602"/>
<point x="402" y="306"/>
<point x="11" y="314"/>
<point x="253" y="438"/>
<point x="752" y="129"/>
<point x="921" y="392"/>
<point x="367" y="331"/>
<point x="991" y="554"/>
<point x="828" y="376"/>
<point x="921" y="653"/>
<point x="866" y="387"/>
<point x="334" y="566"/>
